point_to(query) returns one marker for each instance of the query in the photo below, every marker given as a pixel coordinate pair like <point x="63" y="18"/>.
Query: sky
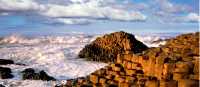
<point x="98" y="16"/>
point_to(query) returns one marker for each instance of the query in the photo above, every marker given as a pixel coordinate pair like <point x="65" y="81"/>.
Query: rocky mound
<point x="175" y="64"/>
<point x="32" y="75"/>
<point x="106" y="48"/>
<point x="185" y="46"/>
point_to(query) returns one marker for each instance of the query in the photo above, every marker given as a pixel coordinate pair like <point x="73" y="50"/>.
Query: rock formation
<point x="5" y="73"/>
<point x="31" y="75"/>
<point x="175" y="64"/>
<point x="106" y="48"/>
<point x="2" y="85"/>
<point x="5" y="62"/>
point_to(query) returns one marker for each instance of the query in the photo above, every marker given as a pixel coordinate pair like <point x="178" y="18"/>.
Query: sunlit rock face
<point x="175" y="64"/>
<point x="107" y="47"/>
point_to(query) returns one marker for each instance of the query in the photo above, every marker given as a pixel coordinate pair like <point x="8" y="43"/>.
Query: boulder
<point x="5" y="62"/>
<point x="196" y="67"/>
<point x="31" y="75"/>
<point x="171" y="83"/>
<point x="94" y="78"/>
<point x="102" y="80"/>
<point x="106" y="48"/>
<point x="152" y="84"/>
<point x="2" y="85"/>
<point x="43" y="76"/>
<point x="5" y="73"/>
<point x="188" y="83"/>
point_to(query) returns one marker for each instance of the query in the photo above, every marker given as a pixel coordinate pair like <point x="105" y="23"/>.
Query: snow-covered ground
<point x="56" y="55"/>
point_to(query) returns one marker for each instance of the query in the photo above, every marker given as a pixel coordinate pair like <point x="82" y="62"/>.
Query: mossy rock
<point x="106" y="48"/>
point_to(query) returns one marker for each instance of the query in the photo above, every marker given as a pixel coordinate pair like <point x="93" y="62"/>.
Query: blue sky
<point x="98" y="16"/>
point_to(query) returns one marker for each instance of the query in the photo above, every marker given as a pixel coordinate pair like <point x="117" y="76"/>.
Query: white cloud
<point x="192" y="17"/>
<point x="88" y="11"/>
<point x="169" y="12"/>
<point x="20" y="5"/>
<point x="75" y="10"/>
<point x="83" y="9"/>
<point x="74" y="21"/>
<point x="167" y="6"/>
<point x="4" y="14"/>
<point x="118" y="14"/>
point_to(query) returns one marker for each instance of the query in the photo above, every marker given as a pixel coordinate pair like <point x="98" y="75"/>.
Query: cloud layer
<point x="80" y="10"/>
<point x="192" y="17"/>
<point x="89" y="11"/>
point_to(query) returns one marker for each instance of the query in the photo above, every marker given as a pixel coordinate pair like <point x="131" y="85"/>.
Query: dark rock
<point x="5" y="62"/>
<point x="106" y="48"/>
<point x="2" y="85"/>
<point x="44" y="76"/>
<point x="5" y="73"/>
<point x="30" y="74"/>
<point x="21" y="64"/>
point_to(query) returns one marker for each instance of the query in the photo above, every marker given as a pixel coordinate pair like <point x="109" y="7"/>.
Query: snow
<point x="56" y="55"/>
